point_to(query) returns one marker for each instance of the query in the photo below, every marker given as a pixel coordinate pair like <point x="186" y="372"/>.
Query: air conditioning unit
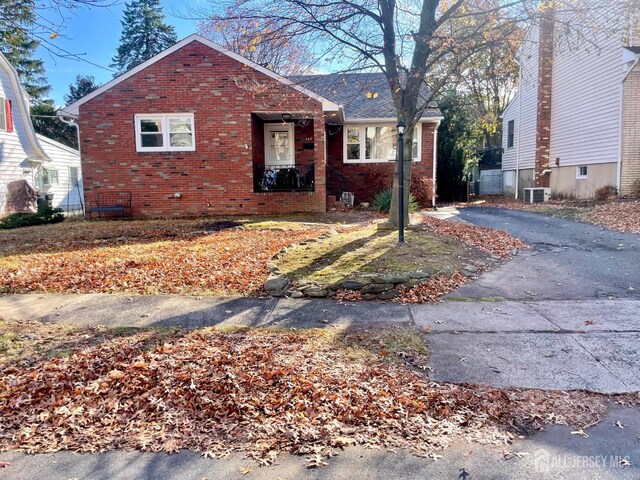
<point x="537" y="195"/>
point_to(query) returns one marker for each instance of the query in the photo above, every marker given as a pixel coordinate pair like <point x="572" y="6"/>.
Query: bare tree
<point x="274" y="48"/>
<point x="420" y="45"/>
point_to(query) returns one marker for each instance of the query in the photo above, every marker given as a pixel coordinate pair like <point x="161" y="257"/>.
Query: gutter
<point x="72" y="120"/>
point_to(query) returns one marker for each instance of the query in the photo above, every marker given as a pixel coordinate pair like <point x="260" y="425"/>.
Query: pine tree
<point x="144" y="34"/>
<point x="85" y="84"/>
<point x="17" y="19"/>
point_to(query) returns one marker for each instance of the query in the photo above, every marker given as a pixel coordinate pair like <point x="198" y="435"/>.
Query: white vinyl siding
<point x="524" y="115"/>
<point x="66" y="195"/>
<point x="585" y="112"/>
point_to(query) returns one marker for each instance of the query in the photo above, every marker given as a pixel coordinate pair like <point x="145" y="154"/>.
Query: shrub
<point x="379" y="177"/>
<point x="44" y="215"/>
<point x="605" y="193"/>
<point x="382" y="201"/>
<point x="635" y="188"/>
<point x="422" y="190"/>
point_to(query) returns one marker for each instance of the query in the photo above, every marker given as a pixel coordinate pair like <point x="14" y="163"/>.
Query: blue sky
<point x="95" y="34"/>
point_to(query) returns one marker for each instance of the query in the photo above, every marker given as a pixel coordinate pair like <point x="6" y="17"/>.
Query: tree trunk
<point x="394" y="218"/>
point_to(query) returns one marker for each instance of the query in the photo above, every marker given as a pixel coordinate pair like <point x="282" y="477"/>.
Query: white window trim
<point x="3" y="114"/>
<point x="165" y="132"/>
<point x="292" y="144"/>
<point x="361" y="127"/>
<point x="582" y="177"/>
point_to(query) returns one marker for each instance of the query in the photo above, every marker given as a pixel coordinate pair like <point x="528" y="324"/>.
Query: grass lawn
<point x="253" y="390"/>
<point x="154" y="256"/>
<point x="367" y="251"/>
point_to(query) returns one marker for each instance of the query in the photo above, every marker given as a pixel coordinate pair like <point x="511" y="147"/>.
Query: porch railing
<point x="284" y="178"/>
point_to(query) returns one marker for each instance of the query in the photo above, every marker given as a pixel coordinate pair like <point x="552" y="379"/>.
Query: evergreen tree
<point x="85" y="84"/>
<point x="16" y="43"/>
<point x="144" y="34"/>
<point x="46" y="122"/>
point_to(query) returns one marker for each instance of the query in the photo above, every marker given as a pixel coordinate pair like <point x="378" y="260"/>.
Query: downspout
<point x="519" y="129"/>
<point x="435" y="162"/>
<point x="621" y="112"/>
<point x="73" y="121"/>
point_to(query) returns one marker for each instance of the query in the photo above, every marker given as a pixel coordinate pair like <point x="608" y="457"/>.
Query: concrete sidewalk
<point x="563" y="345"/>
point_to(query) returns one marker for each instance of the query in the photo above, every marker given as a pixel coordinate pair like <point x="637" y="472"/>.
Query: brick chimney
<point x="543" y="128"/>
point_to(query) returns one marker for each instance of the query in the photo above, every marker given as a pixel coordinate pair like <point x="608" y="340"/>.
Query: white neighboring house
<point x="573" y="125"/>
<point x="52" y="168"/>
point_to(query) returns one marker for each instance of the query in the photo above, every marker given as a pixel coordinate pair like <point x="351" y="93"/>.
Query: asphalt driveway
<point x="568" y="260"/>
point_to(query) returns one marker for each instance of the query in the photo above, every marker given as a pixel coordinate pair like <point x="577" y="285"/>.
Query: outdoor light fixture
<point x="287" y="117"/>
<point x="401" y="126"/>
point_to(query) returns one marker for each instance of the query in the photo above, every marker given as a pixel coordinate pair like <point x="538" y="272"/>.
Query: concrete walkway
<point x="563" y="345"/>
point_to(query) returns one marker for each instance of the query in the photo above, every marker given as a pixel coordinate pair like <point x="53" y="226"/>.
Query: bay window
<point x="376" y="143"/>
<point x="165" y="132"/>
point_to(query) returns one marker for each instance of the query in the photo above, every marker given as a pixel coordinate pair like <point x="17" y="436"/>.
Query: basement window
<point x="165" y="132"/>
<point x="581" y="172"/>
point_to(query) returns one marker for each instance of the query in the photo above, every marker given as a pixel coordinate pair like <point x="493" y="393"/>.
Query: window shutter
<point x="9" y="115"/>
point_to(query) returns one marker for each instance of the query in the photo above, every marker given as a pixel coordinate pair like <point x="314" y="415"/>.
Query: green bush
<point x="44" y="215"/>
<point x="382" y="201"/>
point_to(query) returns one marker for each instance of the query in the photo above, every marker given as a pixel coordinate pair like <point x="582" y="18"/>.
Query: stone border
<point x="375" y="287"/>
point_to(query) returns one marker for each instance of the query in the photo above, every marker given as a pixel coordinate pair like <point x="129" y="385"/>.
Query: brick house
<point x="573" y="125"/>
<point x="198" y="130"/>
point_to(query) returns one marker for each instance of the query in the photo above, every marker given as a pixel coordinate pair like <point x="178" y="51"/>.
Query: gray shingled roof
<point x="350" y="90"/>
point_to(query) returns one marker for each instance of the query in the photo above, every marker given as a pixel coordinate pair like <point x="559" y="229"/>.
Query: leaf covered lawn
<point x="145" y="257"/>
<point x="261" y="392"/>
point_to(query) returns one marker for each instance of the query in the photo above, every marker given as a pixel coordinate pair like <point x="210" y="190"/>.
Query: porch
<point x="284" y="152"/>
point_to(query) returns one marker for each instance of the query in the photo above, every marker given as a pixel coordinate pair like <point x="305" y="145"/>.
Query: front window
<point x="376" y="143"/>
<point x="165" y="132"/>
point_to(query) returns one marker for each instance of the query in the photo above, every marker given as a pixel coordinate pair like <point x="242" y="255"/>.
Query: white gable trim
<point x="73" y="109"/>
<point x="22" y="104"/>
<point x="51" y="141"/>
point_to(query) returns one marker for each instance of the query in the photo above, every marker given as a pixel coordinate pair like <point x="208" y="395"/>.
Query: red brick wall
<point x="363" y="174"/>
<point x="543" y="127"/>
<point x="217" y="178"/>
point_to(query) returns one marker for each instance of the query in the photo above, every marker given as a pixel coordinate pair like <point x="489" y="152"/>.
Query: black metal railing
<point x="284" y="178"/>
<point x="337" y="183"/>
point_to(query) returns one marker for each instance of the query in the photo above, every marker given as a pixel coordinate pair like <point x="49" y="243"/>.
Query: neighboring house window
<point x="165" y="132"/>
<point x="376" y="143"/>
<point x="6" y="117"/>
<point x="47" y="177"/>
<point x="73" y="176"/>
<point x="511" y="130"/>
<point x="581" y="172"/>
<point x="3" y="115"/>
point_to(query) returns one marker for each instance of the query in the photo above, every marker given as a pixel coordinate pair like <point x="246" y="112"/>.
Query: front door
<point x="279" y="144"/>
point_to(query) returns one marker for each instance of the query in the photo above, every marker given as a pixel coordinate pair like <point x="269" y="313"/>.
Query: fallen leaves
<point x="496" y="242"/>
<point x="148" y="261"/>
<point x="619" y="216"/>
<point x="261" y="392"/>
<point x="431" y="290"/>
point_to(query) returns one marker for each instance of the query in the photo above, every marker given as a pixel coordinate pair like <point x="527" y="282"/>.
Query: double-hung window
<point x="165" y="132"/>
<point x="376" y="143"/>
